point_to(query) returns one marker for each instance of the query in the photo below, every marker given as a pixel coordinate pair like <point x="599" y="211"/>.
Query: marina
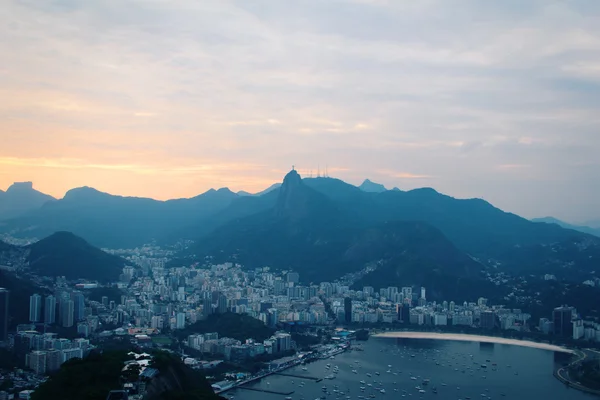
<point x="422" y="369"/>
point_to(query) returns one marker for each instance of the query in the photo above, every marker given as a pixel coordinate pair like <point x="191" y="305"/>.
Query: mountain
<point x="21" y="198"/>
<point x="267" y="190"/>
<point x="593" y="223"/>
<point x="369" y="186"/>
<point x="63" y="254"/>
<point x="95" y="376"/>
<point x="112" y="221"/>
<point x="584" y="229"/>
<point x="308" y="232"/>
<point x="314" y="222"/>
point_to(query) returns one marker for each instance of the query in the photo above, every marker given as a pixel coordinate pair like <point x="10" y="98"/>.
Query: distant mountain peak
<point x="292" y="178"/>
<point x="21" y="198"/>
<point x="82" y="192"/>
<point x="299" y="201"/>
<point x="370" y="186"/>
<point x="20" y="186"/>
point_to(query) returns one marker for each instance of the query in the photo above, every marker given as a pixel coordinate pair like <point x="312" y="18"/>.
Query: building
<point x="50" y="310"/>
<point x="180" y="322"/>
<point x="423" y="293"/>
<point x="347" y="310"/>
<point x="36" y="360"/>
<point x="83" y="329"/>
<point x="53" y="360"/>
<point x="578" y="329"/>
<point x="207" y="308"/>
<point x="4" y="298"/>
<point x="78" y="306"/>
<point x="488" y="320"/>
<point x="562" y="317"/>
<point x="67" y="310"/>
<point x="68" y="354"/>
<point x="282" y="342"/>
<point x="222" y="304"/>
<point x="293" y="277"/>
<point x="35" y="308"/>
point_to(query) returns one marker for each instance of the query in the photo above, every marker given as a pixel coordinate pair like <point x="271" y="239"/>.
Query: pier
<point x="265" y="390"/>
<point x="312" y="378"/>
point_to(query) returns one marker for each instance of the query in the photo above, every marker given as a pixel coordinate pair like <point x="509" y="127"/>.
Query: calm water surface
<point x="453" y="368"/>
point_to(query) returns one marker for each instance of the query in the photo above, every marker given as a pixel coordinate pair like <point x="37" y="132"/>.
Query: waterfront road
<point x="563" y="375"/>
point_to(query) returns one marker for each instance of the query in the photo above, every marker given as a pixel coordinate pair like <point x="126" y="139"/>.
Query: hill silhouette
<point x="112" y="221"/>
<point x="308" y="232"/>
<point x="21" y="198"/>
<point x="93" y="377"/>
<point x="64" y="254"/>
<point x="370" y="186"/>
<point x="580" y="228"/>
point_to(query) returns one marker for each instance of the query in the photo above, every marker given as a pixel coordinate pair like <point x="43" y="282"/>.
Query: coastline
<point x="462" y="337"/>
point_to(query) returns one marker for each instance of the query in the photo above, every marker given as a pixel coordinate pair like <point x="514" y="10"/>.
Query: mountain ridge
<point x="21" y="198"/>
<point x="581" y="228"/>
<point x="306" y="231"/>
<point x="370" y="186"/>
<point x="64" y="254"/>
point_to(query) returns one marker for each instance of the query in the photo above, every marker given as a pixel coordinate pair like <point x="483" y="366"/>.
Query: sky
<point x="168" y="98"/>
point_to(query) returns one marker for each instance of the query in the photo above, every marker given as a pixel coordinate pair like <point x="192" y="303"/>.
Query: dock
<point x="312" y="378"/>
<point x="265" y="390"/>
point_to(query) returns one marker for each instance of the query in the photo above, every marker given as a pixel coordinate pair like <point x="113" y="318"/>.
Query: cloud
<point x="403" y="175"/>
<point x="451" y="88"/>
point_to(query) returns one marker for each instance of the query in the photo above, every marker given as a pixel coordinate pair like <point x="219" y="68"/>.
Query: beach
<point x="472" y="338"/>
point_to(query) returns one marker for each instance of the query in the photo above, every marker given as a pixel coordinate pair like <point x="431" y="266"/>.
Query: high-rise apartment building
<point x="562" y="317"/>
<point x="79" y="306"/>
<point x="35" y="308"/>
<point x="67" y="311"/>
<point x="4" y="298"/>
<point x="50" y="310"/>
<point x="348" y="310"/>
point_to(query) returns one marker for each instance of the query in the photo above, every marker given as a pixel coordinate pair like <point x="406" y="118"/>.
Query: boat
<point x="369" y="375"/>
<point x="377" y="373"/>
<point x="362" y="382"/>
<point x="330" y="376"/>
<point x="288" y="398"/>
<point x="382" y="391"/>
<point x="304" y="369"/>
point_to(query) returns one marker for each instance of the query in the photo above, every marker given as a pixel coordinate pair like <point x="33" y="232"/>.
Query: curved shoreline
<point x="462" y="337"/>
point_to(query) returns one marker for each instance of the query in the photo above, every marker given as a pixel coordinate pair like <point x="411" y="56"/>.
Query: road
<point x="563" y="372"/>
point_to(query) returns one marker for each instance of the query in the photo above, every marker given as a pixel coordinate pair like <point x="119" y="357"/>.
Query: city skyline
<point x="168" y="99"/>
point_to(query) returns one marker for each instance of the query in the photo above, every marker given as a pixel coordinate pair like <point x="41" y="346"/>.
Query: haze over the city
<point x="167" y="99"/>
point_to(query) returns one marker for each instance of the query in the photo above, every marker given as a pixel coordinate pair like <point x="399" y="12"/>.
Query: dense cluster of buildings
<point x="44" y="353"/>
<point x="403" y="305"/>
<point x="235" y="350"/>
<point x="566" y="322"/>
